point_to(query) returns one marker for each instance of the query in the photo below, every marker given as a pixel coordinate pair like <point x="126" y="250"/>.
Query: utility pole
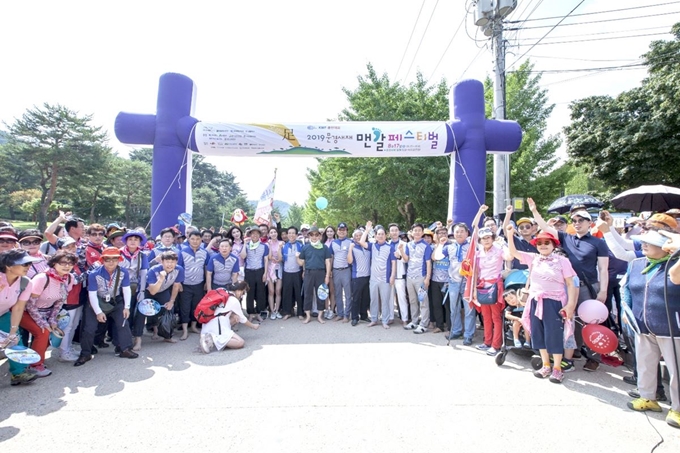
<point x="489" y="15"/>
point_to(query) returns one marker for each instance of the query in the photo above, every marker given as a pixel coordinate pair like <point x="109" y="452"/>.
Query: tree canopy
<point x="633" y="138"/>
<point x="406" y="190"/>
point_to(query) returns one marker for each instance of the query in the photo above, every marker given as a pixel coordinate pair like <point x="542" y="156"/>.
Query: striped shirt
<point x="456" y="253"/>
<point x="135" y="264"/>
<point x="401" y="264"/>
<point x="361" y="261"/>
<point x="440" y="267"/>
<point x="176" y="276"/>
<point x="222" y="268"/>
<point x="255" y="256"/>
<point x="339" y="249"/>
<point x="419" y="253"/>
<point x="290" y="263"/>
<point x="382" y="256"/>
<point x="193" y="264"/>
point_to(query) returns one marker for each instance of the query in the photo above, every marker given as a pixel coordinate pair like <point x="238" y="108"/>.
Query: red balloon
<point x="600" y="339"/>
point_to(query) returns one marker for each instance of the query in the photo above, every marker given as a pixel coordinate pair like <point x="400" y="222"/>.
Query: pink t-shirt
<point x="9" y="295"/>
<point x="547" y="274"/>
<point x="490" y="263"/>
<point x="50" y="294"/>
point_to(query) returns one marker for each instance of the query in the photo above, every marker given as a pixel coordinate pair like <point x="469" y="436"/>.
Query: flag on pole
<point x="266" y="204"/>
<point x="469" y="269"/>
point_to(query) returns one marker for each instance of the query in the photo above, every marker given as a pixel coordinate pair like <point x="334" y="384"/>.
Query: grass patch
<point x="21" y="225"/>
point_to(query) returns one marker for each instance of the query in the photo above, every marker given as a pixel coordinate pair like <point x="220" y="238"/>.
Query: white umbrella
<point x="648" y="198"/>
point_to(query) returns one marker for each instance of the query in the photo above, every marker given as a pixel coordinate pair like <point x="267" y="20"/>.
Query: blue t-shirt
<point x="105" y="284"/>
<point x="176" y="276"/>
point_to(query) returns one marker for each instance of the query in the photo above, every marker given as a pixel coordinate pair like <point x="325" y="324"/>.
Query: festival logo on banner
<point x="356" y="139"/>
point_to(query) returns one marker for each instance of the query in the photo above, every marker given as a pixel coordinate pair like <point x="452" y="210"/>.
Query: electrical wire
<point x="421" y="40"/>
<point x="594" y="21"/>
<point x="552" y="57"/>
<point x="665" y="27"/>
<point x="599" y="12"/>
<point x="470" y="64"/>
<point x="449" y="45"/>
<point x="409" y="40"/>
<point x="537" y="42"/>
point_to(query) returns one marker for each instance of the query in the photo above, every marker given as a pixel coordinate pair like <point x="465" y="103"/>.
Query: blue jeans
<point x="5" y="325"/>
<point x="456" y="291"/>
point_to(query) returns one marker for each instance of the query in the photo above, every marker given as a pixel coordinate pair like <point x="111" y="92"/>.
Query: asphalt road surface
<point x="323" y="388"/>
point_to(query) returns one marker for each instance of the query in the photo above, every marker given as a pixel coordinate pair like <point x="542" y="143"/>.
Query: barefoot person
<point x="315" y="258"/>
<point x="163" y="284"/>
<point x="217" y="332"/>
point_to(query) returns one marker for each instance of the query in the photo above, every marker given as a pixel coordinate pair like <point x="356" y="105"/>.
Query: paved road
<point x="331" y="388"/>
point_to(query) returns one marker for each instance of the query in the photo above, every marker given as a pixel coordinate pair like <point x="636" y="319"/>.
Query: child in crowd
<point x="513" y="312"/>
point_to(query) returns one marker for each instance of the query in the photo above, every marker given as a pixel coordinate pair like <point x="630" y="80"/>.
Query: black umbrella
<point x="564" y="204"/>
<point x="648" y="198"/>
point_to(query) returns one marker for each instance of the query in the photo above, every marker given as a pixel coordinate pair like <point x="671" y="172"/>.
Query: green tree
<point x="60" y="146"/>
<point x="133" y="187"/>
<point x="532" y="166"/>
<point x="384" y="189"/>
<point x="15" y="175"/>
<point x="632" y="139"/>
<point x="294" y="217"/>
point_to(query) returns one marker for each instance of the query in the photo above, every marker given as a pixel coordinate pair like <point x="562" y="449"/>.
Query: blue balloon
<point x="321" y="203"/>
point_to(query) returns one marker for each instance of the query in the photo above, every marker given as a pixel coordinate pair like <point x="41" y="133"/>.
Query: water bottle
<point x="422" y="292"/>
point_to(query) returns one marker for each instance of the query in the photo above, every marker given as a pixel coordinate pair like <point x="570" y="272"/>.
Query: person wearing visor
<point x="15" y="291"/>
<point x="30" y="241"/>
<point x="8" y="240"/>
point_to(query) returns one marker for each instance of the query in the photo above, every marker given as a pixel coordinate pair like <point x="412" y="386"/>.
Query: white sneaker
<point x="39" y="370"/>
<point x="492" y="351"/>
<point x="410" y="326"/>
<point x="420" y="329"/>
<point x="206" y="343"/>
<point x="272" y="316"/>
<point x="278" y="315"/>
<point x="68" y="356"/>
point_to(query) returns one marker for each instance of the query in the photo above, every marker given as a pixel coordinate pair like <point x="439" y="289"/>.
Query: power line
<point x="537" y="42"/>
<point x="470" y="64"/>
<point x="598" y="12"/>
<point x="595" y="21"/>
<point x="449" y="45"/>
<point x="665" y="27"/>
<point x="421" y="40"/>
<point x="552" y="57"/>
<point x="409" y="40"/>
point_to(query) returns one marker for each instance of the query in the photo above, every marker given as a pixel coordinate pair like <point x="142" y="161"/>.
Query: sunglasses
<point x="580" y="220"/>
<point x="540" y="243"/>
<point x="8" y="241"/>
<point x="108" y="260"/>
<point x="36" y="242"/>
<point x="524" y="227"/>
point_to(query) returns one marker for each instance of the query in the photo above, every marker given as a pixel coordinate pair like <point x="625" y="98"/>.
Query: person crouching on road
<point x="164" y="281"/>
<point x="217" y="333"/>
<point x="108" y="288"/>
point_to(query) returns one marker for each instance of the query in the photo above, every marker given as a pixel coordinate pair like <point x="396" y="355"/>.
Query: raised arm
<point x="506" y="221"/>
<point x="364" y="237"/>
<point x="510" y="233"/>
<point x="475" y="222"/>
<point x="542" y="224"/>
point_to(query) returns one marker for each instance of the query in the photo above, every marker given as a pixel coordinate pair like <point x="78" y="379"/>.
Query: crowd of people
<point x="437" y="279"/>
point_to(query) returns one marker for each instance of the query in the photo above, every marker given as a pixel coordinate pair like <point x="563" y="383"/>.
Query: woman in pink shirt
<point x="15" y="289"/>
<point x="552" y="298"/>
<point x="50" y="290"/>
<point x="274" y="273"/>
<point x="491" y="258"/>
<point x="30" y="241"/>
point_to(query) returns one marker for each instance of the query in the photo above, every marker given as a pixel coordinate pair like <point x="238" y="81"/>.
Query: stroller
<point x="516" y="280"/>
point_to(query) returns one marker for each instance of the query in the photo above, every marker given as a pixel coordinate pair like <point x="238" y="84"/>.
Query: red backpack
<point x="205" y="310"/>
